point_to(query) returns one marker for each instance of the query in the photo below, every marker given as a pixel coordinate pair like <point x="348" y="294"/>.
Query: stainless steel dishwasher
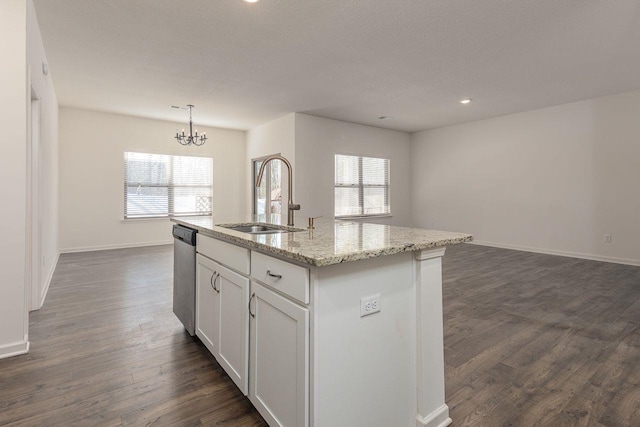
<point x="184" y="276"/>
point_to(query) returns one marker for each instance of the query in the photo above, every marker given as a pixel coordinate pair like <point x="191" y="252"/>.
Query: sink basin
<point x="256" y="228"/>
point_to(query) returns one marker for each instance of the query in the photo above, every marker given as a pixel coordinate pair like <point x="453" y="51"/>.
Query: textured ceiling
<point x="245" y="64"/>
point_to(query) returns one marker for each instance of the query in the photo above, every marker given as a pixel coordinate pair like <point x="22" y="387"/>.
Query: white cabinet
<point x="206" y="273"/>
<point x="227" y="254"/>
<point x="279" y="358"/>
<point x="273" y="324"/>
<point x="286" y="278"/>
<point x="232" y="333"/>
<point x="222" y="320"/>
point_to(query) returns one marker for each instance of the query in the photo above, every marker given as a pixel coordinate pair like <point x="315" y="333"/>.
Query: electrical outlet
<point x="607" y="238"/>
<point x="369" y="305"/>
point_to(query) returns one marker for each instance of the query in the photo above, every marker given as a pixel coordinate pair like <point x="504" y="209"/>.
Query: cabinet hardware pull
<point x="214" y="284"/>
<point x="277" y="276"/>
<point x="250" y="313"/>
<point x="211" y="280"/>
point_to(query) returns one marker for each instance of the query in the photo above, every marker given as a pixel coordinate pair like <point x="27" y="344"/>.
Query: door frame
<point x="34" y="235"/>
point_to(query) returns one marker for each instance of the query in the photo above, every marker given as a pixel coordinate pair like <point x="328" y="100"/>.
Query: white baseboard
<point x="438" y="418"/>
<point x="592" y="257"/>
<point x="14" y="349"/>
<point x="114" y="246"/>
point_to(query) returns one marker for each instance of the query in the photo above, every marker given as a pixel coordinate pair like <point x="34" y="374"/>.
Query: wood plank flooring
<point x="106" y="350"/>
<point x="530" y="340"/>
<point x="540" y="340"/>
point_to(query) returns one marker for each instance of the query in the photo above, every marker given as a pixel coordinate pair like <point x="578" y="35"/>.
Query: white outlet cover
<point x="369" y="305"/>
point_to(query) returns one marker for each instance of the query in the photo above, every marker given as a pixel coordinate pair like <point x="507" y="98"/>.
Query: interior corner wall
<point x="92" y="146"/>
<point x="48" y="153"/>
<point x="318" y="140"/>
<point x="275" y="137"/>
<point x="554" y="180"/>
<point x="13" y="174"/>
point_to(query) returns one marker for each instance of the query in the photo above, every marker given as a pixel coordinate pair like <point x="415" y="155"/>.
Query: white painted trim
<point x="14" y="349"/>
<point x="429" y="253"/>
<point x="615" y="260"/>
<point x="349" y="217"/>
<point x="146" y="219"/>
<point x="438" y="418"/>
<point x="115" y="246"/>
<point x="432" y="410"/>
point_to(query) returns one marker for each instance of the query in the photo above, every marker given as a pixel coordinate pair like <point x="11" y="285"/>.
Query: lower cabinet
<point x="206" y="273"/>
<point x="262" y="340"/>
<point x="222" y="320"/>
<point x="279" y="358"/>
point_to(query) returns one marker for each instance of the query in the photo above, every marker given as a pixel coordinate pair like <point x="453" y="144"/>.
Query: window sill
<point x="132" y="220"/>
<point x="363" y="216"/>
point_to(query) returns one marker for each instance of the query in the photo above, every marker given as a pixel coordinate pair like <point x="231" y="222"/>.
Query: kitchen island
<point x="340" y="325"/>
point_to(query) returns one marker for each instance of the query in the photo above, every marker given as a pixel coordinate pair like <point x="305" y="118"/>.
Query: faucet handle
<point x="311" y="227"/>
<point x="294" y="207"/>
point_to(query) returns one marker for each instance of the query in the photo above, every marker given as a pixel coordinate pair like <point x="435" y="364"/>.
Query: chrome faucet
<point x="292" y="206"/>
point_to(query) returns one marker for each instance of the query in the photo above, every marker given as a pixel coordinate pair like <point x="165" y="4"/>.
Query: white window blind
<point x="158" y="185"/>
<point x="361" y="186"/>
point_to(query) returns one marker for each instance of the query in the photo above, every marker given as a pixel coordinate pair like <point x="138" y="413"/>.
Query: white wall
<point x="13" y="121"/>
<point x="21" y="47"/>
<point x="275" y="137"/>
<point x="91" y="176"/>
<point x="318" y="140"/>
<point x="48" y="155"/>
<point x="552" y="180"/>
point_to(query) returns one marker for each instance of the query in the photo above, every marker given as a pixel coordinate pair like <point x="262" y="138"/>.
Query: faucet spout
<point x="292" y="206"/>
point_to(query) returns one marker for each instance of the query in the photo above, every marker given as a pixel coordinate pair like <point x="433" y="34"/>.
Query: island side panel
<point x="432" y="409"/>
<point x="364" y="368"/>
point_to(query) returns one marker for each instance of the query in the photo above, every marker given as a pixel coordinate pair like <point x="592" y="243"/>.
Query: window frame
<point x="170" y="189"/>
<point x="361" y="186"/>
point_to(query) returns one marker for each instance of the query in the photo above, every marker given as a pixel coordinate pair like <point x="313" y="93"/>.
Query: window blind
<point x="158" y="185"/>
<point x="361" y="186"/>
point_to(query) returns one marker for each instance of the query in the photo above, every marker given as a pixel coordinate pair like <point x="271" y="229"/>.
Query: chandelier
<point x="192" y="138"/>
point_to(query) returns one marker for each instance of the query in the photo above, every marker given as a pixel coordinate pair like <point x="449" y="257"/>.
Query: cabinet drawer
<point x="225" y="253"/>
<point x="290" y="279"/>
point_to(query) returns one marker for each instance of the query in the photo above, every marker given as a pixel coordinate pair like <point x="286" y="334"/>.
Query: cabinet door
<point x="232" y="326"/>
<point x="279" y="359"/>
<point x="207" y="272"/>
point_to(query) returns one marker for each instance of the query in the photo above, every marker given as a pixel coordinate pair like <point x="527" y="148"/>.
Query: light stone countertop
<point x="331" y="242"/>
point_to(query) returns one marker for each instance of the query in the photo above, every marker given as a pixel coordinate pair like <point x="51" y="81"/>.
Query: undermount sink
<point x="257" y="228"/>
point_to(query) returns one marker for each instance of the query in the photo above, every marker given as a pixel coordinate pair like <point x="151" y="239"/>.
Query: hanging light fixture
<point x="192" y="138"/>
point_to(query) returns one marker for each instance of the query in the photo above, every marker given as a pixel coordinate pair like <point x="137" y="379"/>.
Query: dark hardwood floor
<point x="106" y="350"/>
<point x="540" y="340"/>
<point x="530" y="340"/>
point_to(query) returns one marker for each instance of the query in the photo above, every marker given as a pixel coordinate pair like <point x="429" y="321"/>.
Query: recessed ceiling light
<point x="465" y="101"/>
<point x="385" y="118"/>
<point x="251" y="1"/>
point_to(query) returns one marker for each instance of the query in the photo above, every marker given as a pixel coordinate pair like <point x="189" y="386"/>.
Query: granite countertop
<point x="331" y="242"/>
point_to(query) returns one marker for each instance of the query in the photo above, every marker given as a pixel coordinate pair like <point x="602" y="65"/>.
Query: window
<point x="361" y="186"/>
<point x="272" y="180"/>
<point x="157" y="185"/>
